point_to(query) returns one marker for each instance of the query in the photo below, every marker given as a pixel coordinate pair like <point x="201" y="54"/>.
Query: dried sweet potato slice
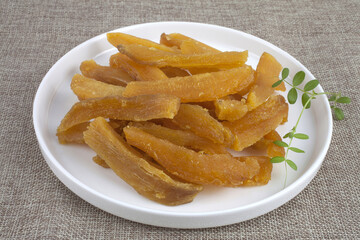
<point x="101" y="162"/>
<point x="174" y="72"/>
<point x="105" y="74"/>
<point x="264" y="174"/>
<point x="192" y="46"/>
<point x="267" y="143"/>
<point x="129" y="164"/>
<point x="267" y="73"/>
<point x="139" y="108"/>
<point x="199" y="70"/>
<point x="230" y="110"/>
<point x="173" y="39"/>
<point x="186" y="44"/>
<point x="156" y="57"/>
<point x="137" y="71"/>
<point x="272" y="149"/>
<point x="258" y="122"/>
<point x="181" y="138"/>
<point x="216" y="169"/>
<point x="198" y="120"/>
<point x="118" y="38"/>
<point x="196" y="88"/>
<point x="73" y="134"/>
<point x="85" y="88"/>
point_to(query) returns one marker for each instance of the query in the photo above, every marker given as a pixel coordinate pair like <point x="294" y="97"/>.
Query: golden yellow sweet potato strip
<point x="181" y="138"/>
<point x="130" y="165"/>
<point x="101" y="162"/>
<point x="216" y="169"/>
<point x="85" y="88"/>
<point x="199" y="70"/>
<point x="197" y="88"/>
<point x="173" y="39"/>
<point x="192" y="46"/>
<point x="230" y="110"/>
<point x="264" y="174"/>
<point x="137" y="71"/>
<point x="267" y="73"/>
<point x="105" y="74"/>
<point x="258" y="122"/>
<point x="118" y="38"/>
<point x="139" y="108"/>
<point x="272" y="149"/>
<point x="186" y="44"/>
<point x="156" y="57"/>
<point x="174" y="72"/>
<point x="73" y="134"/>
<point x="267" y="143"/>
<point x="198" y="120"/>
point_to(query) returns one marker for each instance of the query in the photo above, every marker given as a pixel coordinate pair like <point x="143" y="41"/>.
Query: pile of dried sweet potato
<point x="163" y="116"/>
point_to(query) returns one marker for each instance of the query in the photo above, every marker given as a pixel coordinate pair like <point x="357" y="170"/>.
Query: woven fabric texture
<point x="34" y="204"/>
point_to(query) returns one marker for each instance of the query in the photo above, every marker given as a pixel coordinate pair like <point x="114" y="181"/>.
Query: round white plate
<point x="215" y="206"/>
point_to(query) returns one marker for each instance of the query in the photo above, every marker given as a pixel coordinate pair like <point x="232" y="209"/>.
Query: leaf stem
<point x="294" y="131"/>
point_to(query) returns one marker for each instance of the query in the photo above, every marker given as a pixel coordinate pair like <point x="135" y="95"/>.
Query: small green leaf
<point x="304" y="99"/>
<point x="285" y="73"/>
<point x="292" y="96"/>
<point x="277" y="159"/>
<point x="281" y="143"/>
<point x="332" y="98"/>
<point x="291" y="164"/>
<point x="311" y="85"/>
<point x="277" y="83"/>
<point x="339" y="114"/>
<point x="343" y="100"/>
<point x="289" y="134"/>
<point x="298" y="78"/>
<point x="301" y="136"/>
<point x="297" y="150"/>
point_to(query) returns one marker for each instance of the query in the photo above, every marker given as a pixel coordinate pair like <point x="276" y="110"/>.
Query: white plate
<point x="214" y="206"/>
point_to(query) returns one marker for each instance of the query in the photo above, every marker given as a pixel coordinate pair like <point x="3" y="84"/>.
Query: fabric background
<point x="34" y="204"/>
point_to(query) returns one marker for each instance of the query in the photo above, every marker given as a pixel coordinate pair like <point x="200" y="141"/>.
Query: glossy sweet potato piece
<point x="137" y="71"/>
<point x="186" y="44"/>
<point x="230" y="110"/>
<point x="267" y="73"/>
<point x="130" y="165"/>
<point x="118" y="38"/>
<point x="215" y="169"/>
<point x="73" y="134"/>
<point x="264" y="174"/>
<point x="272" y="149"/>
<point x="181" y="138"/>
<point x="174" y="72"/>
<point x="105" y="74"/>
<point x="267" y="144"/>
<point x="140" y="108"/>
<point x="85" y="88"/>
<point x="197" y="88"/>
<point x="173" y="39"/>
<point x="198" y="120"/>
<point x="258" y="122"/>
<point x="156" y="57"/>
<point x="101" y="162"/>
<point x="194" y="47"/>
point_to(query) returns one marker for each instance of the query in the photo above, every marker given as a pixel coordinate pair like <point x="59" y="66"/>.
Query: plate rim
<point x="285" y="194"/>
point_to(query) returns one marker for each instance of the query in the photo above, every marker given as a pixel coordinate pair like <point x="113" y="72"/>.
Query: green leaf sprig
<point x="308" y="94"/>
